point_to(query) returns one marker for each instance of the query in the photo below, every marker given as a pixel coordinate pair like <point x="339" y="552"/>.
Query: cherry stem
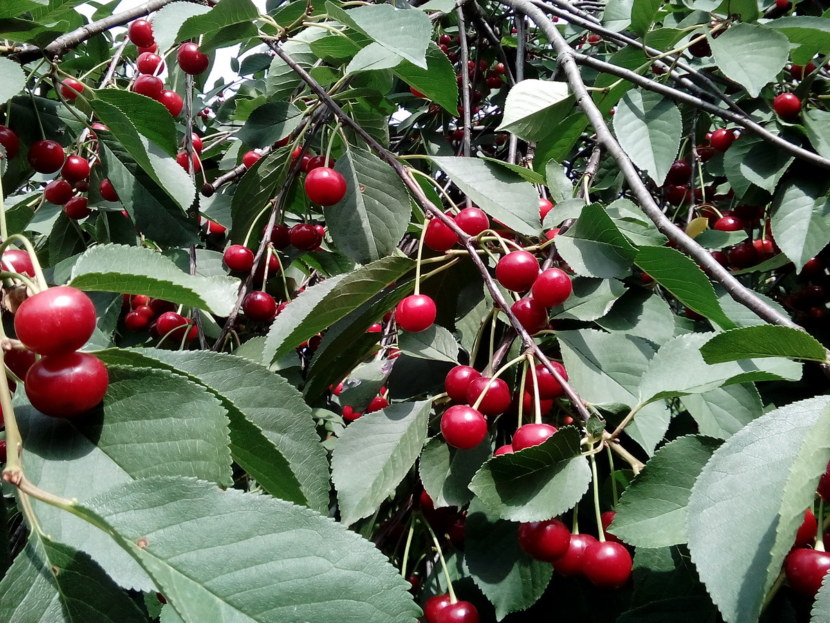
<point x="41" y="280"/>
<point x="595" y="478"/>
<point x="406" y="548"/>
<point x="521" y="408"/>
<point x="4" y="231"/>
<point x="498" y="373"/>
<point x="636" y="464"/>
<point x="614" y="491"/>
<point x="453" y="598"/>
<point x="537" y="401"/>
<point x="820" y="526"/>
<point x="418" y="258"/>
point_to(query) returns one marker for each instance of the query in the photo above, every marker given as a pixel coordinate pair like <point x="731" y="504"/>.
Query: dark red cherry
<point x="259" y="306"/>
<point x="459" y="612"/>
<point x="438" y="236"/>
<point x="9" y="141"/>
<point x="250" y="158"/>
<point x="679" y="172"/>
<point x="463" y="427"/>
<point x="552" y="287"/>
<point x="77" y="208"/>
<point x="787" y="106"/>
<point x="304" y="236"/>
<point x="149" y="63"/>
<point x="239" y="258"/>
<point x="325" y="186"/>
<point x="607" y="565"/>
<point x="150" y="86"/>
<point x="721" y="139"/>
<point x="807" y="530"/>
<point x="18" y="261"/>
<point x="75" y="169"/>
<point x="570" y="563"/>
<point x="415" y="313"/>
<point x="458" y="380"/>
<point x="107" y="190"/>
<point x="67" y="384"/>
<point x="58" y="192"/>
<point x="172" y="101"/>
<point x="544" y="540"/>
<point x="728" y="223"/>
<point x="517" y="270"/>
<point x="55" y="321"/>
<point x="472" y="221"/>
<point x="532" y="435"/>
<point x="805" y="569"/>
<point x="191" y="60"/>
<point x="496" y="395"/>
<point x="140" y="32"/>
<point x="46" y="156"/>
<point x="530" y="314"/>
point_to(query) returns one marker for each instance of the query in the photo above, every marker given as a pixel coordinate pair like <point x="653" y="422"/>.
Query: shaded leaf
<point x="256" y="188"/>
<point x="751" y="161"/>
<point x="801" y="219"/>
<point x="434" y="343"/>
<point x="643" y="314"/>
<point x="591" y="299"/>
<point x="722" y="412"/>
<point x="446" y="472"/>
<point x="437" y="81"/>
<point x="762" y="341"/>
<point x="750" y="54"/>
<point x="148" y="116"/>
<point x="594" y="247"/>
<point x="269" y="123"/>
<point x="527" y="108"/>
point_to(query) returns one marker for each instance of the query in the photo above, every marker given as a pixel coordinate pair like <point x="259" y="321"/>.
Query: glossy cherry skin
<point x="607" y="565"/>
<point x="216" y="228"/>
<point x="58" y="192"/>
<point x="742" y="255"/>
<point x="191" y="60"/>
<point x="316" y="162"/>
<point x="459" y="612"/>
<point x="530" y="435"/>
<point x="19" y="360"/>
<point x="18" y="261"/>
<point x="46" y="156"/>
<point x="304" y="236"/>
<point x="472" y="221"/>
<point x="549" y="387"/>
<point x="544" y="540"/>
<point x="505" y="449"/>
<point x="75" y="169"/>
<point x="677" y="194"/>
<point x="149" y="63"/>
<point x="438" y="236"/>
<point x="140" y="32"/>
<point x="787" y="106"/>
<point x="463" y="427"/>
<point x="182" y="159"/>
<point x="606" y="519"/>
<point x="77" y="208"/>
<point x="415" y="313"/>
<point x="496" y="395"/>
<point x="136" y="321"/>
<point x="728" y="223"/>
<point x="552" y="287"/>
<point x="721" y="139"/>
<point x="70" y="88"/>
<point x="545" y="206"/>
<point x="325" y="186"/>
<point x="66" y="385"/>
<point x="238" y="258"/>
<point x="458" y="380"/>
<point x="259" y="306"/>
<point x="55" y="321"/>
<point x="435" y="604"/>
<point x="807" y="530"/>
<point x="9" y="141"/>
<point x="570" y="563"/>
<point x="805" y="569"/>
<point x="679" y="172"/>
<point x="107" y="190"/>
<point x="172" y="101"/>
<point x="279" y="236"/>
<point x="376" y="404"/>
<point x="530" y="314"/>
<point x="175" y="325"/>
<point x="250" y="158"/>
<point x="150" y="86"/>
<point x="517" y="270"/>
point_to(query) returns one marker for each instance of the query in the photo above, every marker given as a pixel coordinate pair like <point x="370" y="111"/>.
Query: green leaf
<point x="503" y="195"/>
<point x="763" y="341"/>
<point x="617" y="15"/>
<point x="808" y="33"/>
<point x="292" y="563"/>
<point x="557" y="180"/>
<point x="446" y="472"/>
<point x="750" y="54"/>
<point x="269" y="123"/>
<point x="591" y="299"/>
<point x="272" y="433"/>
<point x="594" y="247"/>
<point x="652" y="510"/>
<point x="374" y="454"/>
<point x="537" y="483"/>
<point x="435" y="343"/>
<point x="364" y="383"/>
<point x="529" y="175"/>
<point x="801" y="219"/>
<point x="373" y="57"/>
<point x="821" y="606"/>
<point x="507" y="576"/>
<point x="371" y="219"/>
<point x="323" y="304"/>
<point x="648" y="127"/>
<point x="254" y="191"/>
<point x="223" y="14"/>
<point x="722" y="412"/>
<point x="715" y="239"/>
<point x="684" y="279"/>
<point x="643" y="314"/>
<point x="679" y="368"/>
<point x="14" y="80"/>
<point x="817" y="125"/>
<point x="148" y="116"/>
<point x="402" y="32"/>
<point x="751" y="161"/>
<point x="437" y="81"/>
<point x="643" y="14"/>
<point x="528" y="107"/>
<point x="782" y="453"/>
<point x="53" y="582"/>
<point x="168" y="20"/>
<point x="137" y="270"/>
<point x="282" y="80"/>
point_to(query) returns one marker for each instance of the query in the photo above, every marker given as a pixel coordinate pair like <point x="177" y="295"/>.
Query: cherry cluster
<point x="808" y="563"/>
<point x="157" y="316"/>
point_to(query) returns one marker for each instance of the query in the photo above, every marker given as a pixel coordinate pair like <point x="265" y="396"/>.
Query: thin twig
<point x="465" y="81"/>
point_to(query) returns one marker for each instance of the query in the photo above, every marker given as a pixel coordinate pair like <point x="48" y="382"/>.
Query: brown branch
<point x="465" y="81"/>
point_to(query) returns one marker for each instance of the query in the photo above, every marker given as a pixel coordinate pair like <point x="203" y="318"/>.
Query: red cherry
<point x="700" y="48"/>
<point x="544" y="540"/>
<point x="140" y="32"/>
<point x="463" y="427"/>
<point x="458" y="380"/>
<point x="172" y="102"/>
<point x="55" y="321"/>
<point x="435" y="604"/>
<point x="805" y="569"/>
<point x="325" y="186"/>
<point x="304" y="236"/>
<point x="505" y="449"/>
<point x="728" y="223"/>
<point x="496" y="395"/>
<point x="376" y="404"/>
<point x="216" y="228"/>
<point x="722" y="139"/>
<point x="173" y="325"/>
<point x="438" y="236"/>
<point x="823" y="488"/>
<point x="517" y="270"/>
<point x="182" y="159"/>
<point x="415" y="313"/>
<point x="530" y="314"/>
<point x="798" y="72"/>
<point x="472" y="221"/>
<point x="136" y="321"/>
<point x="545" y="206"/>
<point x="149" y="63"/>
<point x="70" y="88"/>
<point x="552" y="287"/>
<point x="375" y="327"/>
<point x="570" y="563"/>
<point x="807" y="530"/>
<point x="607" y="565"/>
<point x="677" y="195"/>
<point x="67" y="384"/>
<point x="149" y="86"/>
<point x="305" y="161"/>
<point x="18" y="261"/>
<point x="742" y="255"/>
<point x="318" y="161"/>
<point x="191" y="60"/>
<point x="459" y="612"/>
<point x="151" y="48"/>
<point x="107" y="190"/>
<point x="19" y="361"/>
<point x="679" y="172"/>
<point x="259" y="306"/>
<point x="532" y="435"/>
<point x="9" y="141"/>
<point x="787" y="106"/>
<point x="58" y="192"/>
<point x="77" y="208"/>
<point x="250" y="158"/>
<point x="75" y="169"/>
<point x="238" y="258"/>
<point x="46" y="156"/>
<point x="350" y="414"/>
<point x="606" y="518"/>
<point x="197" y="143"/>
